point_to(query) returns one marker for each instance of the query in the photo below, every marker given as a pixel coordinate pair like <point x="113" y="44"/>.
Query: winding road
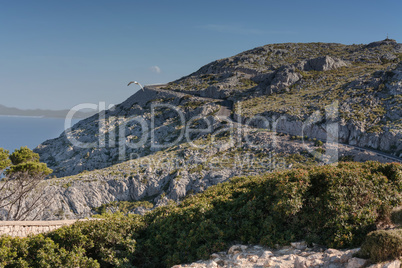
<point x="226" y="109"/>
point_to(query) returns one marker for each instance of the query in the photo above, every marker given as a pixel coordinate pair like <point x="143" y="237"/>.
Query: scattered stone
<point x="394" y="264"/>
<point x="299" y="245"/>
<point x="331" y="251"/>
<point x="215" y="256"/>
<point x="266" y="254"/>
<point x="235" y="249"/>
<point x="356" y="263"/>
<point x="300" y="262"/>
<point x="247" y="256"/>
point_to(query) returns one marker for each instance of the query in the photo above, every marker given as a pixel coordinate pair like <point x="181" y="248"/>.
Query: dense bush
<point x="112" y="242"/>
<point x="382" y="245"/>
<point x="124" y="207"/>
<point x="396" y="216"/>
<point x="40" y="251"/>
<point x="331" y="205"/>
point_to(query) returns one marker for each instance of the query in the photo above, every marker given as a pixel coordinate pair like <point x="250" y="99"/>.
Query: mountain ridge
<point x="275" y="89"/>
<point x="283" y="87"/>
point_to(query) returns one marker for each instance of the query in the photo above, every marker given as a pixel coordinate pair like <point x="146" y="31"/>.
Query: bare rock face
<point x="325" y="63"/>
<point x="283" y="79"/>
<point x="286" y="76"/>
<point x="215" y="92"/>
<point x="394" y="85"/>
<point x="348" y="133"/>
<point x="89" y="151"/>
<point x="381" y="43"/>
<point x="162" y="177"/>
<point x="277" y="81"/>
<point x="388" y="57"/>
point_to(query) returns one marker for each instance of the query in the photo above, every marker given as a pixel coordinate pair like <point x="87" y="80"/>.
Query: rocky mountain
<point x="296" y="80"/>
<point x="272" y="107"/>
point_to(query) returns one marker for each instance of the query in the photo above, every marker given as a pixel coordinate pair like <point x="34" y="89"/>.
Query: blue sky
<point x="57" y="54"/>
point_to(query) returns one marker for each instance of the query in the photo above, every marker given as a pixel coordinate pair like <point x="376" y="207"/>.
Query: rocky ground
<point x="173" y="174"/>
<point x="298" y="255"/>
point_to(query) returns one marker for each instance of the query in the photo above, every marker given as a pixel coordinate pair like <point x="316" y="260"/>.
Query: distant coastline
<point x="23" y="116"/>
<point x="39" y="113"/>
<point x="17" y="131"/>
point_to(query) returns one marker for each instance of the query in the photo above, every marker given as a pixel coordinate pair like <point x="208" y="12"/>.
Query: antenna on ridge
<point x="387" y="38"/>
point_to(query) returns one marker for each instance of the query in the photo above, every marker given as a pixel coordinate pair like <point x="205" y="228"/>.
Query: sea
<point x="18" y="131"/>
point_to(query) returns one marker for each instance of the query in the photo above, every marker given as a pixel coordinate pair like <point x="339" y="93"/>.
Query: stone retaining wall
<point x="25" y="228"/>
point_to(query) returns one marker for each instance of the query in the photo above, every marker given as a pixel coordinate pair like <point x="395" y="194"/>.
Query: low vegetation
<point x="382" y="245"/>
<point x="360" y="88"/>
<point x="334" y="205"/>
<point x="308" y="96"/>
<point x="124" y="207"/>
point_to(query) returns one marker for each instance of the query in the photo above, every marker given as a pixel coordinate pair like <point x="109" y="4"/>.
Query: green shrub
<point x="124" y="207"/>
<point x="330" y="205"/>
<point x="41" y="251"/>
<point x="344" y="202"/>
<point x="296" y="137"/>
<point x="346" y="158"/>
<point x="382" y="245"/>
<point x="396" y="216"/>
<point x="111" y="241"/>
<point x="318" y="143"/>
<point x="321" y="150"/>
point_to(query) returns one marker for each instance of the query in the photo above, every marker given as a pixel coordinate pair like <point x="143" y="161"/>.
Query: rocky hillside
<point x="289" y="80"/>
<point x="230" y="118"/>
<point x="123" y="132"/>
<point x="297" y="80"/>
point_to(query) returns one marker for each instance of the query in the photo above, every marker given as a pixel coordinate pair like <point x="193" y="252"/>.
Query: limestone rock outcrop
<point x="324" y="63"/>
<point x="296" y="256"/>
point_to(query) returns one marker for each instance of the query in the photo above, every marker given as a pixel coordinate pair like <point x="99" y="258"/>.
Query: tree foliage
<point x="25" y="160"/>
<point x="23" y="189"/>
<point x="4" y="159"/>
<point x="23" y="155"/>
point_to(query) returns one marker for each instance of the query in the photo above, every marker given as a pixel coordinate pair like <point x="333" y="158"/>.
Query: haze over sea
<point x="18" y="131"/>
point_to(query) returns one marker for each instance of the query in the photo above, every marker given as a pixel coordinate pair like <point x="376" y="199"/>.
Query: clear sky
<point x="57" y="53"/>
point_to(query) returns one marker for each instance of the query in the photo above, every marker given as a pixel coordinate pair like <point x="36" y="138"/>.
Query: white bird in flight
<point x="135" y="82"/>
